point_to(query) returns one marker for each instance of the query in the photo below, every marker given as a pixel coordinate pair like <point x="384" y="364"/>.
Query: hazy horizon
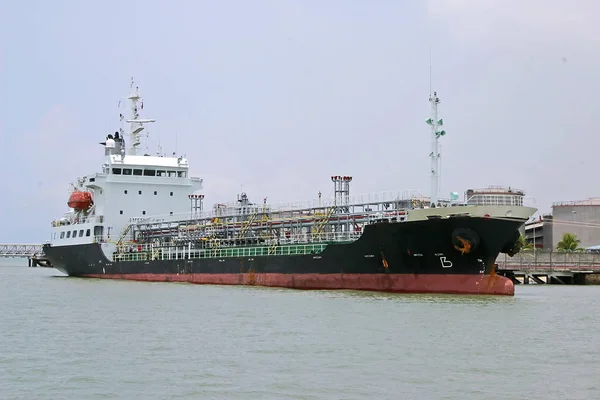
<point x="273" y="97"/>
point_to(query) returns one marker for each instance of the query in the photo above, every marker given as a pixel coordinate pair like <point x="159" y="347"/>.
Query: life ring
<point x="513" y="245"/>
<point x="465" y="240"/>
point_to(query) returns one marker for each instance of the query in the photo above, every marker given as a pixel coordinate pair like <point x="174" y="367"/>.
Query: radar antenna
<point x="435" y="154"/>
<point x="136" y="124"/>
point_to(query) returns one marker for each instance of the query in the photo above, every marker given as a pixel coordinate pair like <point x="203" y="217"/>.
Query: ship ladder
<point x="212" y="237"/>
<point x="214" y="228"/>
<point x="273" y="248"/>
<point x="320" y="224"/>
<point x="124" y="233"/>
<point x="247" y="224"/>
<point x="154" y="253"/>
<point x="265" y="217"/>
<point x="214" y="244"/>
<point x="215" y="249"/>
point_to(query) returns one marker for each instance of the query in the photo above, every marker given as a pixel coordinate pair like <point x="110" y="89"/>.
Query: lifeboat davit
<point x="80" y="200"/>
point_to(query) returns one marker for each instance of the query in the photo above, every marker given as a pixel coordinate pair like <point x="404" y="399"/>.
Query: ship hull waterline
<point x="406" y="257"/>
<point x="391" y="283"/>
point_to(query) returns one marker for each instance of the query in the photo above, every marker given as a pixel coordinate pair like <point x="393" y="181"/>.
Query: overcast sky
<point x="273" y="97"/>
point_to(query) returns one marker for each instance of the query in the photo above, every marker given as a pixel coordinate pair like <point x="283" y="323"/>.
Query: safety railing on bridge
<point x="20" y="250"/>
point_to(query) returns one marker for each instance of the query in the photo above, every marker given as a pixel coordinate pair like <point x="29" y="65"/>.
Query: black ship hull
<point x="450" y="255"/>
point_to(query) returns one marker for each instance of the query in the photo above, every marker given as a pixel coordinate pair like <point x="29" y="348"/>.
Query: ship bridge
<point x="174" y="167"/>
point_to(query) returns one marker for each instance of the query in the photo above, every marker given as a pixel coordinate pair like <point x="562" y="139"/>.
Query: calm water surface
<point x="68" y="338"/>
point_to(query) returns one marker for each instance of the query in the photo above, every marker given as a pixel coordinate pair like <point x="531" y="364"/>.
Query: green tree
<point x="569" y="242"/>
<point x="524" y="244"/>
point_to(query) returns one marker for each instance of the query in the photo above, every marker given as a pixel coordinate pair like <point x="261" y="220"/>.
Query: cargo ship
<point x="142" y="217"/>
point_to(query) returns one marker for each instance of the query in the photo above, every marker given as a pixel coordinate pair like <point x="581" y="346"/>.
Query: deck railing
<point x="70" y="219"/>
<point x="292" y="238"/>
<point x="149" y="252"/>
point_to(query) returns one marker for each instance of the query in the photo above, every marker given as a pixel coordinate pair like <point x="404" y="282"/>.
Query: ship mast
<point x="136" y="124"/>
<point x="435" y="154"/>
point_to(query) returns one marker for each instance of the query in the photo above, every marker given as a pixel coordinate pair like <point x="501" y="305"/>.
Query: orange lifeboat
<point x="80" y="200"/>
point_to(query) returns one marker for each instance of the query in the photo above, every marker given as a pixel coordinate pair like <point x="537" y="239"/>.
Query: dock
<point x="551" y="267"/>
<point x="33" y="252"/>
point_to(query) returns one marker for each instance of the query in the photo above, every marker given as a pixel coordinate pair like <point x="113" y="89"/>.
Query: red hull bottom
<point x="398" y="283"/>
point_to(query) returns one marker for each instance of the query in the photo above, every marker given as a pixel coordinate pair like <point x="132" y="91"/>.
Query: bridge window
<point x="126" y="171"/>
<point x="62" y="235"/>
<point x="161" y="173"/>
<point x="87" y="233"/>
<point x="98" y="231"/>
<point x="181" y="174"/>
<point x="149" y="172"/>
<point x="172" y="174"/>
<point x="137" y="172"/>
<point x="117" y="171"/>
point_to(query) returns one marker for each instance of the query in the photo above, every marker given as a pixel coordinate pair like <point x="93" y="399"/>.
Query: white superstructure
<point x="130" y="188"/>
